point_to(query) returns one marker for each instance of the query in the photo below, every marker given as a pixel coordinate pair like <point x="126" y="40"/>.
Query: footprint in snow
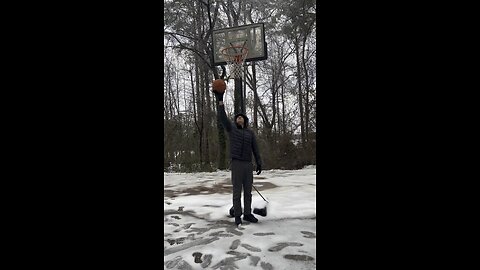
<point x="266" y="266"/>
<point x="235" y="244"/>
<point x="281" y="246"/>
<point x="264" y="234"/>
<point x="298" y="257"/>
<point x="308" y="234"/>
<point x="239" y="255"/>
<point x="207" y="260"/>
<point x="251" y="248"/>
<point x="254" y="260"/>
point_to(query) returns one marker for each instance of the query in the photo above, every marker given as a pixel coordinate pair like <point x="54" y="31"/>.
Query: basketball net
<point x="235" y="57"/>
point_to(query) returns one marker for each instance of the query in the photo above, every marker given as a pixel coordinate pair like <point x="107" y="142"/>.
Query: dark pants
<point x="242" y="176"/>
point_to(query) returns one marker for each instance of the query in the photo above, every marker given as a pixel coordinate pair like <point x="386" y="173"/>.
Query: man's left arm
<point x="256" y="154"/>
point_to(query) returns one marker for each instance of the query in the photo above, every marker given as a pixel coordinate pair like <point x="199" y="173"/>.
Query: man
<point x="242" y="145"/>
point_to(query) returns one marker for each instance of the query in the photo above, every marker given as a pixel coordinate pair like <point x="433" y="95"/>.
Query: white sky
<point x="291" y="217"/>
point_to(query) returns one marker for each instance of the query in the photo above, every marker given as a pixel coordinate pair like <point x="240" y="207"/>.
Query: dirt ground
<point x="223" y="187"/>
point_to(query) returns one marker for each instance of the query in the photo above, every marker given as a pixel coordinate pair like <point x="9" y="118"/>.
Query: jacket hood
<point x="245" y="118"/>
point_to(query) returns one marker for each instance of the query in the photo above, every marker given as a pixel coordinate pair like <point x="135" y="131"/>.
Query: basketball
<point x="219" y="86"/>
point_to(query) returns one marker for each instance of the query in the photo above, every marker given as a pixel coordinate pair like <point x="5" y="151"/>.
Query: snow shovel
<point x="260" y="211"/>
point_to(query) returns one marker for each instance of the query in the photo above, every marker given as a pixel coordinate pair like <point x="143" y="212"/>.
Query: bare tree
<point x="280" y="90"/>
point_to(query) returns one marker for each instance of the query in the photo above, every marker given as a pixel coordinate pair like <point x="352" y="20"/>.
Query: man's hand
<point x="218" y="95"/>
<point x="259" y="169"/>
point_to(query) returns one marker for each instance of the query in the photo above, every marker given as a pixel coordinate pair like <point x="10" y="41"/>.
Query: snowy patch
<point x="199" y="233"/>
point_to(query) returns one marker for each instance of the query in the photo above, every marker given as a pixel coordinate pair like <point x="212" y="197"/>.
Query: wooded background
<point x="279" y="93"/>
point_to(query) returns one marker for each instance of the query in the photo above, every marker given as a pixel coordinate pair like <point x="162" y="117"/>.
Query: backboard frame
<point x="237" y="36"/>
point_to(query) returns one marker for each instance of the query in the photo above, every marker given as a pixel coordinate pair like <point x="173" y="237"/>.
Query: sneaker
<point x="238" y="221"/>
<point x="250" y="218"/>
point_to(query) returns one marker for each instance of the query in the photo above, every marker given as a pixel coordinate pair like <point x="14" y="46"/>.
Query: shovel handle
<point x="259" y="193"/>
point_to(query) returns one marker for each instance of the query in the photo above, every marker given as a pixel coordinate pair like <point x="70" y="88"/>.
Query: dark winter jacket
<point x="242" y="140"/>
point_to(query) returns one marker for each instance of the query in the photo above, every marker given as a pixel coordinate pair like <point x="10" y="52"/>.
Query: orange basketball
<point x="219" y="86"/>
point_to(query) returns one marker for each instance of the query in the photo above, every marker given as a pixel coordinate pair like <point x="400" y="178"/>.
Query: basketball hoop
<point x="235" y="57"/>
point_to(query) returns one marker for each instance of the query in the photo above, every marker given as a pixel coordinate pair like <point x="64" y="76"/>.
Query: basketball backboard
<point x="252" y="36"/>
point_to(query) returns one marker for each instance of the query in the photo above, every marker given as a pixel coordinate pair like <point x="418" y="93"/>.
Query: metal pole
<point x="244" y="85"/>
<point x="238" y="103"/>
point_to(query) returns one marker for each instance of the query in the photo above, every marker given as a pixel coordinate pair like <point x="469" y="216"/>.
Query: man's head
<point x="241" y="120"/>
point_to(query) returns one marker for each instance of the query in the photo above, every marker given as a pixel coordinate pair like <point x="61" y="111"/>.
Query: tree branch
<point x="263" y="114"/>
<point x="181" y="46"/>
<point x="182" y="35"/>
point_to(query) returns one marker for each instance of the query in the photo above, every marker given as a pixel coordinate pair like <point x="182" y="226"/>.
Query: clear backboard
<point x="251" y="36"/>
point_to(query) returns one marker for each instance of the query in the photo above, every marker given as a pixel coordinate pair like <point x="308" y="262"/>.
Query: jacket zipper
<point x="243" y="139"/>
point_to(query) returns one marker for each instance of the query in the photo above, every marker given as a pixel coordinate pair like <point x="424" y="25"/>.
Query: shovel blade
<point x="260" y="211"/>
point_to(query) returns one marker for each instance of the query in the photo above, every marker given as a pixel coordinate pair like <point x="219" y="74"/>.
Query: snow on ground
<point x="199" y="234"/>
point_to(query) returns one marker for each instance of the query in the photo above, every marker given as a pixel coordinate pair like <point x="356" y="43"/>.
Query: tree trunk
<point x="255" y="102"/>
<point x="207" y="114"/>
<point x="195" y="107"/>
<point x="305" y="72"/>
<point x="220" y="132"/>
<point x="284" y="126"/>
<point x="300" y="98"/>
<point x="279" y="122"/>
<point x="274" y="96"/>
<point x="198" y="101"/>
